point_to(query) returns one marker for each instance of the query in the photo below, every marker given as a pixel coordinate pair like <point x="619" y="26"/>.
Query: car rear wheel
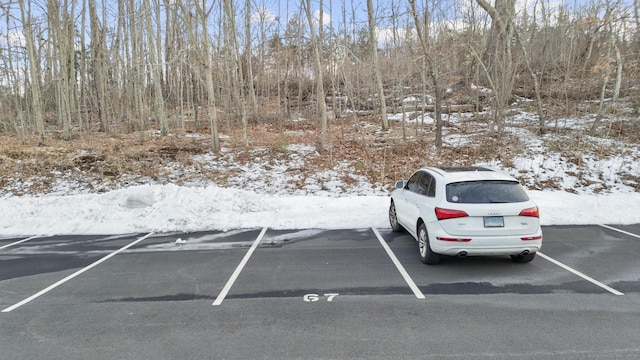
<point x="426" y="254"/>
<point x="523" y="258"/>
<point x="393" y="218"/>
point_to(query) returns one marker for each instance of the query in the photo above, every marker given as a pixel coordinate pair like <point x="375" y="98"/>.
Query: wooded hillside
<point x="71" y="66"/>
<point x="110" y="93"/>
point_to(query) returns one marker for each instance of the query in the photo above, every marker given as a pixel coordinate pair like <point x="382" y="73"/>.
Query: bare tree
<point x="15" y="118"/>
<point x="98" y="56"/>
<point x="154" y="64"/>
<point x="203" y="18"/>
<point x="34" y="71"/>
<point x="422" y="24"/>
<point x="248" y="54"/>
<point x="61" y="32"/>
<point x="234" y="66"/>
<point x="498" y="58"/>
<point x="135" y="82"/>
<point x="321" y="104"/>
<point x="607" y="68"/>
<point x="534" y="77"/>
<point x="376" y="67"/>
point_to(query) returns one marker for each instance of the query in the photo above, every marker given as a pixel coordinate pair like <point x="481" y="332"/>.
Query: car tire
<point x="393" y="218"/>
<point x="427" y="255"/>
<point x="521" y="259"/>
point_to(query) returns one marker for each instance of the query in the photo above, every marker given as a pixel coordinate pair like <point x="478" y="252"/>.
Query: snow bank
<point x="169" y="208"/>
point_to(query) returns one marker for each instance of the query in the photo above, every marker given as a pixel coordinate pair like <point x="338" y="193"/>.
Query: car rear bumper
<point x="485" y="251"/>
<point x="483" y="245"/>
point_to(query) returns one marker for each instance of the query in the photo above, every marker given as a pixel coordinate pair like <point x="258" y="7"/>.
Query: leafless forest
<point x="78" y="72"/>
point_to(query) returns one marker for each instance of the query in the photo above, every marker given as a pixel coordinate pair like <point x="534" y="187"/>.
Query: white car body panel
<point x="474" y="224"/>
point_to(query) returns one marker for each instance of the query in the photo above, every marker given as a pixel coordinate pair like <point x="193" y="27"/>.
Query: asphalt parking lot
<point x="277" y="294"/>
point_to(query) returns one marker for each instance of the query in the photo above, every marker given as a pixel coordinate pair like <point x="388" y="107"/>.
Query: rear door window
<point x="415" y="183"/>
<point x="486" y="192"/>
<point x="430" y="185"/>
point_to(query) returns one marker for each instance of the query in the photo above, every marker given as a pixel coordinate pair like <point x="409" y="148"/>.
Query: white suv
<point x="466" y="211"/>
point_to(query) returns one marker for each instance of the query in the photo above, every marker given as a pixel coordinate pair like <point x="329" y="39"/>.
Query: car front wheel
<point x="426" y="254"/>
<point x="393" y="218"/>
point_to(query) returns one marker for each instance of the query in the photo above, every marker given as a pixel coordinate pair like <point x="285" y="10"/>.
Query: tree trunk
<point x="156" y="70"/>
<point x="250" y="87"/>
<point x="536" y="83"/>
<point x="322" y="107"/>
<point x="376" y="67"/>
<point x="433" y="69"/>
<point x="613" y="47"/>
<point x="203" y="16"/>
<point x="34" y="72"/>
<point x="98" y="39"/>
<point x="498" y="57"/>
<point x="61" y="31"/>
<point x="234" y="67"/>
<point x="136" y="79"/>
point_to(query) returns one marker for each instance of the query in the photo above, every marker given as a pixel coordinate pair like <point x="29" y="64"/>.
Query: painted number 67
<point x="316" y="297"/>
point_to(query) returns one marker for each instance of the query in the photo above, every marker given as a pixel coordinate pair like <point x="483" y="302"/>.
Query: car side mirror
<point x="400" y="184"/>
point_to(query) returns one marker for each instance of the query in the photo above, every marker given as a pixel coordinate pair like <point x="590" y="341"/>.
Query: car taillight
<point x="533" y="211"/>
<point x="443" y="214"/>
<point x="453" y="239"/>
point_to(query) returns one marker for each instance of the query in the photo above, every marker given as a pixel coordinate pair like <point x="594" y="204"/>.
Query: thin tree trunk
<point x="613" y="47"/>
<point x="376" y="67"/>
<point x="499" y="59"/>
<point x="136" y="79"/>
<point x="234" y="67"/>
<point x="322" y="107"/>
<point x="433" y="67"/>
<point x="155" y="66"/>
<point x="17" y="122"/>
<point x="34" y="72"/>
<point x="536" y="83"/>
<point x="250" y="88"/>
<point x="98" y="64"/>
<point x="203" y="17"/>
<point x="61" y="32"/>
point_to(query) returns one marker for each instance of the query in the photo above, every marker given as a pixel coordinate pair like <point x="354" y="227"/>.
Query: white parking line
<point x="236" y="273"/>
<point x="44" y="291"/>
<point x="620" y="231"/>
<point x="17" y="242"/>
<point x="399" y="266"/>
<point x="590" y="279"/>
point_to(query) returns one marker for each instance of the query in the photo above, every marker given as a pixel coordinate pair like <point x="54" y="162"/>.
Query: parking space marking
<point x="576" y="272"/>
<point x="401" y="269"/>
<point x="238" y="270"/>
<point x="17" y="242"/>
<point x="620" y="231"/>
<point x="44" y="291"/>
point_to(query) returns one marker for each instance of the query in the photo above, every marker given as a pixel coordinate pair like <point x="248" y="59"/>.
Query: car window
<point x="414" y="182"/>
<point x="486" y="192"/>
<point x="431" y="185"/>
<point x="420" y="183"/>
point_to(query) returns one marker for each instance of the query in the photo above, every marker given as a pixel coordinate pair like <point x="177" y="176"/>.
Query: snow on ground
<point x="260" y="195"/>
<point x="172" y="208"/>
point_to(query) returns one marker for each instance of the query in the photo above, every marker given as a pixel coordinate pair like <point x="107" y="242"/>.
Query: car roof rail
<point x="454" y="169"/>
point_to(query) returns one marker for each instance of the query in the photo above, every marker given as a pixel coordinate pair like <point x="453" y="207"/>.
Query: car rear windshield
<point x="486" y="192"/>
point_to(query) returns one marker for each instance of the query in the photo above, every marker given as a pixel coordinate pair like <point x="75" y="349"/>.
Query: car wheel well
<point x="393" y="218"/>
<point x="427" y="255"/>
<point x="420" y="222"/>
